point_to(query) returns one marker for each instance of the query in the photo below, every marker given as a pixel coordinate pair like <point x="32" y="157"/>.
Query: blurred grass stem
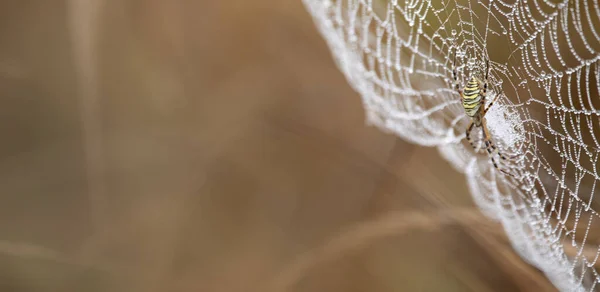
<point x="84" y="27"/>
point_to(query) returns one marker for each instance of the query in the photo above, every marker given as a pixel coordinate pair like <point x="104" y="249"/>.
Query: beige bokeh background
<point x="214" y="146"/>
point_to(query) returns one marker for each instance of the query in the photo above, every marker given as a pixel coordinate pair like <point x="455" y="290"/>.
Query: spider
<point x="472" y="97"/>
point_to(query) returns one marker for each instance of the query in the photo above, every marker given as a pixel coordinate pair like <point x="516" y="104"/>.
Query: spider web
<point x="544" y="65"/>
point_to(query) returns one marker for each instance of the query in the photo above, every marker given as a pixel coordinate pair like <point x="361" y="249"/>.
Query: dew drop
<point x="454" y="32"/>
<point x="471" y="62"/>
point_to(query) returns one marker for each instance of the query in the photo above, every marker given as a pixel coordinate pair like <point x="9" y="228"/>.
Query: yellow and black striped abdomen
<point x="471" y="98"/>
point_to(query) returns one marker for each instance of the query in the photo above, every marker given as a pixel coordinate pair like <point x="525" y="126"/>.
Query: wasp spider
<point x="472" y="97"/>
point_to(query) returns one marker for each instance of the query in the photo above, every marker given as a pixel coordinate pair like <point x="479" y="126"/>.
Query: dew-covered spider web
<point x="544" y="65"/>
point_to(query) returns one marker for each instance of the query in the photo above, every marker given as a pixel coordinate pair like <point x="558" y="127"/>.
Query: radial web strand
<point x="544" y="65"/>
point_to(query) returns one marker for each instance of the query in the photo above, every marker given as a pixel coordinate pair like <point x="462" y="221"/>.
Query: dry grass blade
<point x="525" y="274"/>
<point x="365" y="233"/>
<point x="31" y="251"/>
<point x="84" y="23"/>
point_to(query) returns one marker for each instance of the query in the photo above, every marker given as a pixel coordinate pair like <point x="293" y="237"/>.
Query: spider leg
<point x="489" y="106"/>
<point x="486" y="132"/>
<point x="468" y="133"/>
<point x="487" y="72"/>
<point x="485" y="86"/>
<point x="488" y="141"/>
<point x="455" y="75"/>
<point x="484" y="126"/>
<point x="489" y="145"/>
<point x="495" y="149"/>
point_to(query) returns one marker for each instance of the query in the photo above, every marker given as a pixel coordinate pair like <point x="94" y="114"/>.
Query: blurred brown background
<point x="214" y="146"/>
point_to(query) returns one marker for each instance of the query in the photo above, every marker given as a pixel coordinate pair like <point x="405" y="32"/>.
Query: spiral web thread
<point x="544" y="64"/>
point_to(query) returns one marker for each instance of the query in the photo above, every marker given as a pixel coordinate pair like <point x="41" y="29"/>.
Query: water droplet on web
<point x="504" y="31"/>
<point x="471" y="62"/>
<point x="454" y="32"/>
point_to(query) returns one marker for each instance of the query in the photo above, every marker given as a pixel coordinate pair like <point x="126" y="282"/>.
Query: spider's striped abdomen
<point x="471" y="97"/>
